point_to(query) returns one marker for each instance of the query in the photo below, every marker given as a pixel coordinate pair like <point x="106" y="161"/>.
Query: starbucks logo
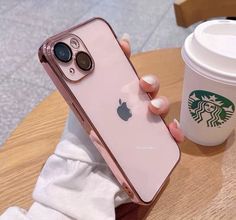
<point x="210" y="108"/>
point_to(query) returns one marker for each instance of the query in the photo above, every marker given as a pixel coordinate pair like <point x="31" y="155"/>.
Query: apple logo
<point x="123" y="111"/>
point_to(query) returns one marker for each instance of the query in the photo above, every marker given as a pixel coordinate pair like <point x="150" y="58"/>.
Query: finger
<point x="125" y="44"/>
<point x="150" y="83"/>
<point x="176" y="131"/>
<point x="159" y="106"/>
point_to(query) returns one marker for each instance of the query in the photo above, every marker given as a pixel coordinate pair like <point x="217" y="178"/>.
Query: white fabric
<point x="75" y="183"/>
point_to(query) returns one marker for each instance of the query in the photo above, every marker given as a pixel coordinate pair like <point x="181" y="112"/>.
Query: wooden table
<point x="188" y="12"/>
<point x="203" y="186"/>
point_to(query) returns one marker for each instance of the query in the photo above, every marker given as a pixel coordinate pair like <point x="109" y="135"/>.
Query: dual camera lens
<point x="64" y="53"/>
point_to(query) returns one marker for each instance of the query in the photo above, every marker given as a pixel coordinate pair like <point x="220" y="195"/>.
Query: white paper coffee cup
<point x="209" y="91"/>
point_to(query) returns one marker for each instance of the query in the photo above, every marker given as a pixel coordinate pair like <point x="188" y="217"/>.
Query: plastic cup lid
<point x="212" y="48"/>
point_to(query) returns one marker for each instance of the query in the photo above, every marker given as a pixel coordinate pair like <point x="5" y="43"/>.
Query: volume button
<point x="95" y="139"/>
<point x="77" y="113"/>
<point x="82" y="119"/>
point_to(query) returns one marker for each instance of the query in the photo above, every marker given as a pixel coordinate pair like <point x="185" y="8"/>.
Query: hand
<point x="158" y="105"/>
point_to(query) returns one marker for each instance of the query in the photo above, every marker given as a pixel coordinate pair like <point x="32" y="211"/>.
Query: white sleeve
<point x="75" y="183"/>
<point x="36" y="212"/>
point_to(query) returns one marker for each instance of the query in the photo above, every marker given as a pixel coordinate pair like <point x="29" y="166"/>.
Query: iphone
<point x="97" y="80"/>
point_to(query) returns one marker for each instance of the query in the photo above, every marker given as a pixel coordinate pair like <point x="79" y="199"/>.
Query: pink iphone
<point x="100" y="85"/>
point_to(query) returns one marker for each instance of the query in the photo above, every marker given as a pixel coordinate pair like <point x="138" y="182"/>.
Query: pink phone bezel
<point x="45" y="56"/>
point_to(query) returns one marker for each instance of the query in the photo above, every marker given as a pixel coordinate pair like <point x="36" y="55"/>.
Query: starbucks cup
<point x="209" y="91"/>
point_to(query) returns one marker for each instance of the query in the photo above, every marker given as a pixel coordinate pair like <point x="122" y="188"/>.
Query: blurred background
<point x="25" y="24"/>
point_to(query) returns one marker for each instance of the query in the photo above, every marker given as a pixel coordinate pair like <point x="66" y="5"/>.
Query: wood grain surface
<point x="203" y="186"/>
<point x="188" y="12"/>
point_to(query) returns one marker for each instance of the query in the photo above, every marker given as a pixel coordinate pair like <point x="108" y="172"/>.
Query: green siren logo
<point x="210" y="108"/>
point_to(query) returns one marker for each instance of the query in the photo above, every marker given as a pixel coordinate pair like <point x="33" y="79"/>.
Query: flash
<point x="74" y="43"/>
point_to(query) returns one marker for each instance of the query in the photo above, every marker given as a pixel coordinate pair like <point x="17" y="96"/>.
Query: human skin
<point x="159" y="105"/>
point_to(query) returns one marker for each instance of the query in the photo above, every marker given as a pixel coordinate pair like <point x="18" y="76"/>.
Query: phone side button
<point x="94" y="138"/>
<point x="79" y="116"/>
<point x="78" y="113"/>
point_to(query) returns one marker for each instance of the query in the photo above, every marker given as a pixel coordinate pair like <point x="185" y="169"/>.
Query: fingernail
<point x="157" y="103"/>
<point x="149" y="79"/>
<point x="126" y="37"/>
<point x="176" y="123"/>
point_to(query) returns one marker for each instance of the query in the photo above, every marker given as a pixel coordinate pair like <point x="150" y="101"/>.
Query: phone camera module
<point x="84" y="61"/>
<point x="62" y="52"/>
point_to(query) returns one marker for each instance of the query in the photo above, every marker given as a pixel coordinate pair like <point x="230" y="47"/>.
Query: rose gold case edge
<point x="55" y="75"/>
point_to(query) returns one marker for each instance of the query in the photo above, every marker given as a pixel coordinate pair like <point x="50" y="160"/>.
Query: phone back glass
<point x="110" y="96"/>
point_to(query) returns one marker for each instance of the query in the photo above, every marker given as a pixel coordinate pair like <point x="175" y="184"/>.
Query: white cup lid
<point x="212" y="50"/>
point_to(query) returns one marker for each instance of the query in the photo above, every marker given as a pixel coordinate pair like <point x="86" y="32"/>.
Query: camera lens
<point x="84" y="61"/>
<point x="62" y="52"/>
